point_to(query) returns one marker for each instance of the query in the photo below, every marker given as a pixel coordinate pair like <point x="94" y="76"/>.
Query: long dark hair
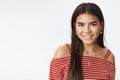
<point x="75" y="68"/>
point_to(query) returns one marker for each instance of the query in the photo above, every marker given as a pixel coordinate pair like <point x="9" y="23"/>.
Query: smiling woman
<point x="86" y="57"/>
<point x="88" y="27"/>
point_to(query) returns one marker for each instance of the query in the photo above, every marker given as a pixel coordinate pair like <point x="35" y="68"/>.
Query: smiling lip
<point x="87" y="37"/>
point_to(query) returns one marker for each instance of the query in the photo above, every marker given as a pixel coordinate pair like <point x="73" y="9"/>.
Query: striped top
<point x="93" y="68"/>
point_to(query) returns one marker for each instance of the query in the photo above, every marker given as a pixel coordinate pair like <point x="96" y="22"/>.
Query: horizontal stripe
<point x="96" y="69"/>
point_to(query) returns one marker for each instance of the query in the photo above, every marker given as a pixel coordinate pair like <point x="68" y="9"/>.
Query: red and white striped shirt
<point x="93" y="68"/>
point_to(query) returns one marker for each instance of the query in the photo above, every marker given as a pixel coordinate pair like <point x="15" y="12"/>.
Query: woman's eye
<point x="81" y="25"/>
<point x="94" y="24"/>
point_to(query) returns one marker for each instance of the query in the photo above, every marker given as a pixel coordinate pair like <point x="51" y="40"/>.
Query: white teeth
<point x="87" y="36"/>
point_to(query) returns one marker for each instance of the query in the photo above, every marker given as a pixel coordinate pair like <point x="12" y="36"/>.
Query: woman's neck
<point x="91" y="49"/>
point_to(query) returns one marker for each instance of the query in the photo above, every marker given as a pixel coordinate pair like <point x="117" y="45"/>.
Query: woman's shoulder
<point x="109" y="55"/>
<point x="61" y="52"/>
<point x="111" y="58"/>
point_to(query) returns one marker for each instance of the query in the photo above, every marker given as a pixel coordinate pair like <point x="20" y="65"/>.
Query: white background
<point x="31" y="30"/>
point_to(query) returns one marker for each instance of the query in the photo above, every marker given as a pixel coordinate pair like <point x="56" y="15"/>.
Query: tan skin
<point x="88" y="29"/>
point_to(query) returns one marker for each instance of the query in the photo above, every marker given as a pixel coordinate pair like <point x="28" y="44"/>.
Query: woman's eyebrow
<point x="80" y="22"/>
<point x="93" y="22"/>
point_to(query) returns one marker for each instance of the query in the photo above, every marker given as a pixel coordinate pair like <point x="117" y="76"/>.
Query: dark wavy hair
<point x="75" y="68"/>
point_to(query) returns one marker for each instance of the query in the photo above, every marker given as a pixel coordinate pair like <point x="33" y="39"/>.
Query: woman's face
<point x="88" y="28"/>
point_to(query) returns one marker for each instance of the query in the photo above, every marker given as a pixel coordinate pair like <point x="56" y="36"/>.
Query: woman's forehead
<point x="86" y="17"/>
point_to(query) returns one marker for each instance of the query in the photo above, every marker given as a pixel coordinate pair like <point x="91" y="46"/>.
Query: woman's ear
<point x="102" y="25"/>
<point x="74" y="24"/>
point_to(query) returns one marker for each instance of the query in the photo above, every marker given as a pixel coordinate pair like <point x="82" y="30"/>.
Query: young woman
<point x="86" y="58"/>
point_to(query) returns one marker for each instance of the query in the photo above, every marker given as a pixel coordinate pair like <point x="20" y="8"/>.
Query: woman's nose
<point x="87" y="29"/>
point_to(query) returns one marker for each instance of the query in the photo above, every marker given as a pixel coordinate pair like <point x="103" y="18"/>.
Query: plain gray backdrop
<point x="31" y="30"/>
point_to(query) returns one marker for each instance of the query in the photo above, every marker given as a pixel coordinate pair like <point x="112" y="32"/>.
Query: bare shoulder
<point x="60" y="52"/>
<point x="111" y="58"/>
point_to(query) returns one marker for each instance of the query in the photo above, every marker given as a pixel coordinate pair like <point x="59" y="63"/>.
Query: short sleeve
<point x="111" y="70"/>
<point x="55" y="72"/>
